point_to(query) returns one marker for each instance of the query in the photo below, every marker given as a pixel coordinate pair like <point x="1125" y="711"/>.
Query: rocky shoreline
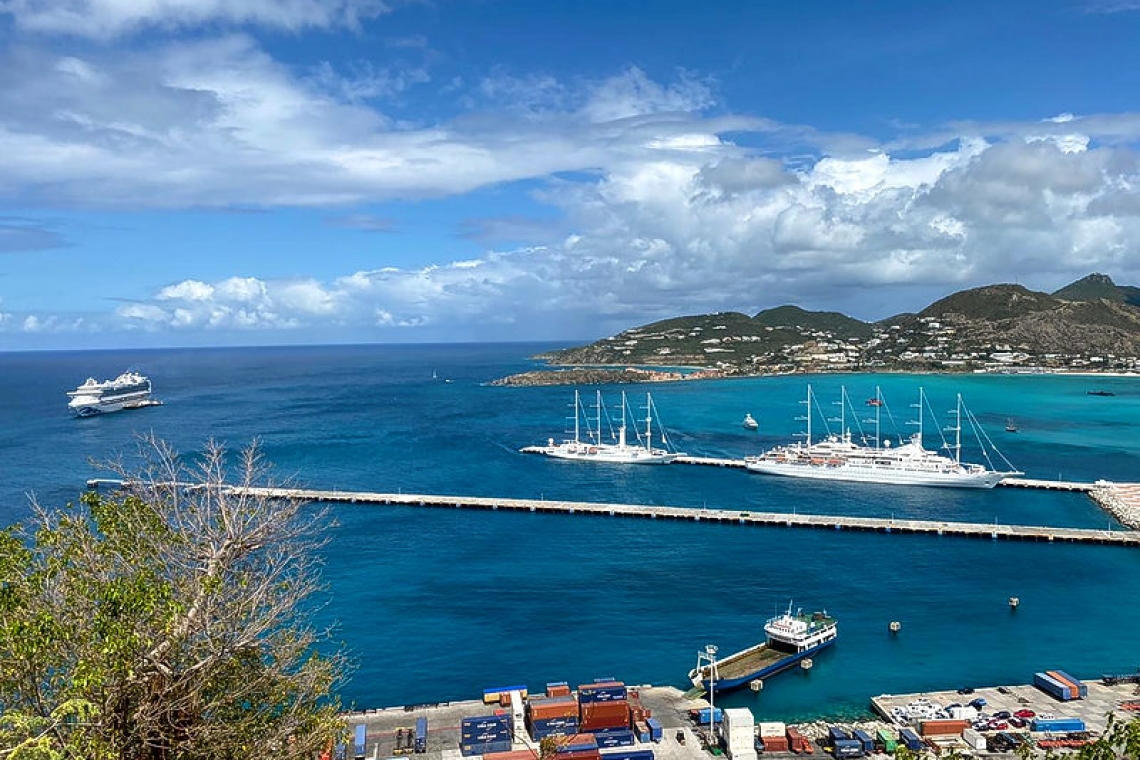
<point x="1121" y="500"/>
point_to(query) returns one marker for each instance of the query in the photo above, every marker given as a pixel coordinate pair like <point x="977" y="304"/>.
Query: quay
<point x="992" y="531"/>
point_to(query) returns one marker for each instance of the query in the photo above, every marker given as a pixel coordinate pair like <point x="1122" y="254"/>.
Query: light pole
<point x="710" y="652"/>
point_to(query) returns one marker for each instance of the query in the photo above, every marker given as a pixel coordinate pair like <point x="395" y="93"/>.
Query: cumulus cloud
<point x="109" y="18"/>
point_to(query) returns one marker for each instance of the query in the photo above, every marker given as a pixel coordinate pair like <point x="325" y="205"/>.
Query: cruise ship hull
<point x="857" y="474"/>
<point x="608" y="454"/>
<point x="766" y="668"/>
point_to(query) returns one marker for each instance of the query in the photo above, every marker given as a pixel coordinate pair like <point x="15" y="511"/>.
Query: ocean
<point x="436" y="605"/>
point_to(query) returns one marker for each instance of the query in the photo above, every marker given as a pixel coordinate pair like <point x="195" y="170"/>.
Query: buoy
<point x="895" y="626"/>
<point x="756" y="684"/>
<point x="806" y="663"/>
<point x="1013" y="602"/>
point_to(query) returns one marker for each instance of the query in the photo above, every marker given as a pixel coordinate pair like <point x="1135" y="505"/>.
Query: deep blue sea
<point x="436" y="605"/>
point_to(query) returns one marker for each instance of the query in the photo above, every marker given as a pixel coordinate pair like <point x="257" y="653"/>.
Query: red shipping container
<point x="1073" y="688"/>
<point x="514" y="754"/>
<point x="943" y="727"/>
<point x="553" y="707"/>
<point x="595" y="724"/>
<point x="775" y="743"/>
<point x="607" y="709"/>
<point x="558" y="690"/>
<point x="585" y="755"/>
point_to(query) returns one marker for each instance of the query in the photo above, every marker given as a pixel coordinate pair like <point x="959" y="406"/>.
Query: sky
<point x="262" y="172"/>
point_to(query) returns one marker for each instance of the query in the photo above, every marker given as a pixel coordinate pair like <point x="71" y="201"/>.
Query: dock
<point x="742" y="517"/>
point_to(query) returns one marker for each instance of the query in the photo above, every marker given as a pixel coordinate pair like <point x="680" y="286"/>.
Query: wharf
<point x="1093" y="710"/>
<point x="667" y="704"/>
<point x="992" y="531"/>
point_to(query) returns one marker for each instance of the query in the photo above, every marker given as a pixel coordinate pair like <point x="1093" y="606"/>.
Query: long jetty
<point x="993" y="531"/>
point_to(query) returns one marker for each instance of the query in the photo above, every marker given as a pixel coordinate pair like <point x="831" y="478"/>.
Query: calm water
<point x="437" y="605"/>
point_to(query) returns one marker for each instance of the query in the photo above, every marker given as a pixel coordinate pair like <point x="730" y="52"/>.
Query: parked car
<point x="1025" y="714"/>
<point x="1003" y="715"/>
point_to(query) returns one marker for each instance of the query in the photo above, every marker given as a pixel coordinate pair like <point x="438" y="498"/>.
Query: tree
<point x="172" y="619"/>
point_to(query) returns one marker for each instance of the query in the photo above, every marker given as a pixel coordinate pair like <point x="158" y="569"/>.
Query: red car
<point x="1025" y="714"/>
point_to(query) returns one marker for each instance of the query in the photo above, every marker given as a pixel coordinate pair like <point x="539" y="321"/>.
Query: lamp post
<point x="710" y="652"/>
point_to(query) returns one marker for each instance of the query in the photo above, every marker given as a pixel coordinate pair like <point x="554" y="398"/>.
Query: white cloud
<point x="109" y="18"/>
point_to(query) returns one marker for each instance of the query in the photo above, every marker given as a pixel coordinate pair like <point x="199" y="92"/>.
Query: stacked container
<point x="1078" y="689"/>
<point x="656" y="730"/>
<point x="1057" y="725"/>
<point x="773" y="736"/>
<point x="864" y="739"/>
<point x="603" y="705"/>
<point x="886" y="740"/>
<point x="974" y="739"/>
<point x="496" y="694"/>
<point x="1054" y="688"/>
<point x="558" y="689"/>
<point x="739" y="733"/>
<point x="487" y="733"/>
<point x="910" y="739"/>
<point x="627" y="754"/>
<point x="552" y="716"/>
<point x="798" y="743"/>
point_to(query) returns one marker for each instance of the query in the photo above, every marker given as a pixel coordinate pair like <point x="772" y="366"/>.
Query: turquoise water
<point x="436" y="604"/>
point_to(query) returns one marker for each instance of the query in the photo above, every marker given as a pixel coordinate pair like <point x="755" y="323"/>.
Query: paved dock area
<point x="1093" y="710"/>
<point x="668" y="704"/>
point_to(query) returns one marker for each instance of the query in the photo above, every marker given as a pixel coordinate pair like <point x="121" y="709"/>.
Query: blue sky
<point x="215" y="172"/>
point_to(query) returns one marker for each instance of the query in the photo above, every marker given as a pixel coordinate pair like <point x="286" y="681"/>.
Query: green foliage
<point x="165" y="621"/>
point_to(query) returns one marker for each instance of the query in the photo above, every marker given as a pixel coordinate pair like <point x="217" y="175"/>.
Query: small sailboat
<point x="750" y="423"/>
<point x="1010" y="426"/>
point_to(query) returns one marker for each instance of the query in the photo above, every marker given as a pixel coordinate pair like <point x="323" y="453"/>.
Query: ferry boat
<point x="587" y="445"/>
<point x="129" y="390"/>
<point x="838" y="457"/>
<point x="789" y="639"/>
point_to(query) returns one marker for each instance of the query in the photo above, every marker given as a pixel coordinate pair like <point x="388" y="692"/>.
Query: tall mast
<point x="577" y="414"/>
<point x="648" y="421"/>
<point x="878" y="417"/>
<point x="809" y="415"/>
<point x="958" y="431"/>
<point x="621" y="430"/>
<point x="598" y="411"/>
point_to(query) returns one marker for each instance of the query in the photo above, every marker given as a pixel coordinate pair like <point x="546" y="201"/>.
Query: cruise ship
<point x="838" y="457"/>
<point x="127" y="391"/>
<point x="789" y="639"/>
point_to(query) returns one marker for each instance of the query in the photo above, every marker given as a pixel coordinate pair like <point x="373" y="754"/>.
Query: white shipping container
<point x="772" y="729"/>
<point x="964" y="713"/>
<point x="741" y="754"/>
<point x="739" y="717"/>
<point x="974" y="739"/>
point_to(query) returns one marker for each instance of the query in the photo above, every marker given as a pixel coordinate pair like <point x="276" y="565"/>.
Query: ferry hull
<point x="987" y="479"/>
<point x="723" y="685"/>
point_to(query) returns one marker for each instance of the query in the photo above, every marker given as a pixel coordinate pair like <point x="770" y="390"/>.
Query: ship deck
<point x="749" y="662"/>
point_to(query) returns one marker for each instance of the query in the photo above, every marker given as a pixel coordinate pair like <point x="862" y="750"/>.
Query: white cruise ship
<point x="838" y="457"/>
<point x="127" y="391"/>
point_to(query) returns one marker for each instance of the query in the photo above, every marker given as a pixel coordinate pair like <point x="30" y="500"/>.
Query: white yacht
<point x="587" y="445"/>
<point x="838" y="457"/>
<point x="127" y="391"/>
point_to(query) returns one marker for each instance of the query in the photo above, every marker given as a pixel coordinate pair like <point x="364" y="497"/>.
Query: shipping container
<point x="835" y="733"/>
<point x="421" y="735"/>
<point x="586" y="754"/>
<point x="485" y="728"/>
<point x="943" y="727"/>
<point x="1052" y="687"/>
<point x="578" y="743"/>
<point x="774" y="743"/>
<point x="1080" y="690"/>
<point x="552" y="707"/>
<point x="609" y="691"/>
<point x="702" y="715"/>
<point x="771" y="728"/>
<point x="625" y="753"/>
<point x="515" y="754"/>
<point x="490" y="696"/>
<point x="1057" y="725"/>
<point x="360" y="739"/>
<point x="340" y="752"/>
<point x="885" y="741"/>
<point x="540" y="729"/>
<point x="559" y="689"/>
<point x="846" y="748"/>
<point x="910" y="739"/>
<point x="865" y="739"/>
<point x="974" y="739"/>
<point x="482" y="748"/>
<point x="641" y="731"/>
<point x="797" y="742"/>
<point x="656" y="731"/>
<point x="623" y="738"/>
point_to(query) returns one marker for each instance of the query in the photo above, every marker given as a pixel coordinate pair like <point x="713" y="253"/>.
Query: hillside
<point x="1091" y="324"/>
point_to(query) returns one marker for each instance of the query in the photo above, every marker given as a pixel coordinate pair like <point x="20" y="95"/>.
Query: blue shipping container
<point x="482" y="748"/>
<point x="341" y="752"/>
<point x="656" y="732"/>
<point x="540" y="729"/>
<point x="643" y="736"/>
<point x="702" y="715"/>
<point x="1052" y="687"/>
<point x="910" y="739"/>
<point x="360" y="735"/>
<point x="1057" y="725"/>
<point x="421" y="735"/>
<point x="835" y="733"/>
<point x="865" y="739"/>
<point x="627" y="754"/>
<point x="578" y="745"/>
<point x="590" y="694"/>
<point x="847" y="748"/>
<point x="622" y="738"/>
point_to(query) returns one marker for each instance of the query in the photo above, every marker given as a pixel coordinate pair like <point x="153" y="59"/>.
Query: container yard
<point x="608" y="720"/>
